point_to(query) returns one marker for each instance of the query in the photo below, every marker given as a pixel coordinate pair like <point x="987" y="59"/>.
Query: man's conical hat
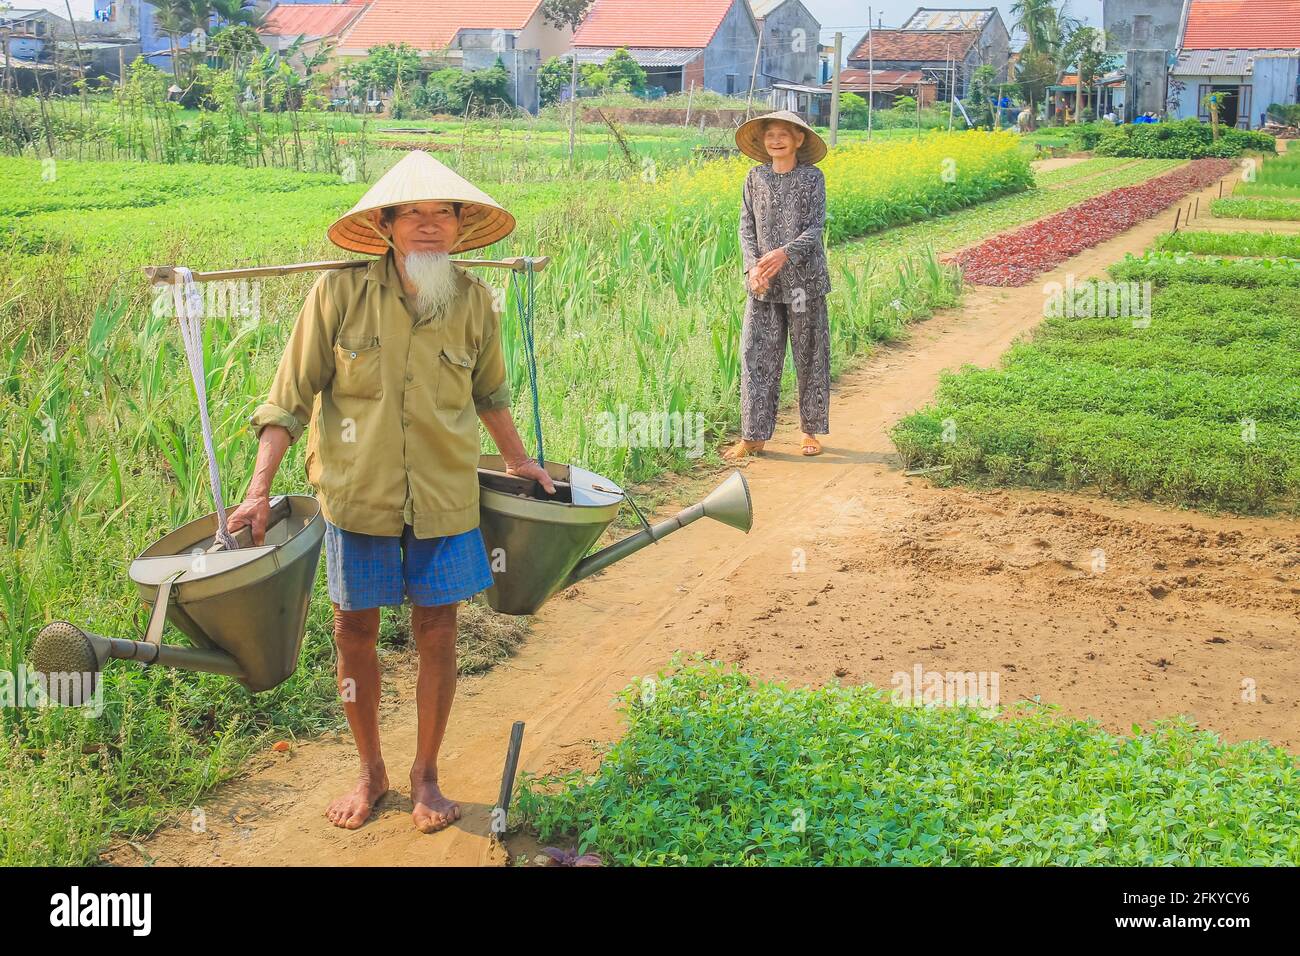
<point x="421" y="178"/>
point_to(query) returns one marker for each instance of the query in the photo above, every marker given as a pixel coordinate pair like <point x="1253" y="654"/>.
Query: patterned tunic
<point x="786" y="209"/>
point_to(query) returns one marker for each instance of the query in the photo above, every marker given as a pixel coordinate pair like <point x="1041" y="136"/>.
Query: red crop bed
<point x="1016" y="257"/>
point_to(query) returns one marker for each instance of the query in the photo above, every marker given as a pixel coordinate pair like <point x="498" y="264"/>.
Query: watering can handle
<point x="644" y="524"/>
<point x="628" y="498"/>
<point x="280" y="509"/>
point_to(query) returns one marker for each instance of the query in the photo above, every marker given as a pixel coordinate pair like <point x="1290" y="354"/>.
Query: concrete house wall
<point x="790" y="46"/>
<point x="994" y="46"/>
<point x="729" y="57"/>
<point x="1276" y="78"/>
<point x="547" y="40"/>
<point x="1142" y="24"/>
<point x="480" y="50"/>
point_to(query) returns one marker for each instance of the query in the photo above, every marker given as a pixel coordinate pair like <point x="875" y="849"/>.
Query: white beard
<point x="434" y="279"/>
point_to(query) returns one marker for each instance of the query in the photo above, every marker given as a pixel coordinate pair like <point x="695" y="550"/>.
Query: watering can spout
<point x="729" y="503"/>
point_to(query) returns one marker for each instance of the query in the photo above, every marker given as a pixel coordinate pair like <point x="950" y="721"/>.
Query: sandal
<point x="811" y="447"/>
<point x="743" y="449"/>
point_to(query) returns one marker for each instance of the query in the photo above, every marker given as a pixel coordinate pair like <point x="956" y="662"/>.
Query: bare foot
<point x="743" y="449"/>
<point x="353" y="809"/>
<point x="433" y="811"/>
<point x="810" y="446"/>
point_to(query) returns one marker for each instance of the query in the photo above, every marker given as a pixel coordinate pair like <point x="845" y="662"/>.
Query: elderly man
<point x="389" y="364"/>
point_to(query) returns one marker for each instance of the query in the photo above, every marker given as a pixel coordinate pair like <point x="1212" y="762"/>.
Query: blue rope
<point x="524" y="308"/>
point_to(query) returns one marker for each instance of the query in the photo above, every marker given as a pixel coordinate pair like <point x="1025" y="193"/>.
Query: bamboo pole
<point x="162" y="274"/>
<point x="871" y="76"/>
<point x="835" y="89"/>
<point x="753" y="75"/>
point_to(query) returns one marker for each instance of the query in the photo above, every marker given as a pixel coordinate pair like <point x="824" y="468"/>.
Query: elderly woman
<point x="781" y="221"/>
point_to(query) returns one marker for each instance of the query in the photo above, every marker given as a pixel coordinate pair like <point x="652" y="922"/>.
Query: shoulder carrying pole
<point x="163" y="274"/>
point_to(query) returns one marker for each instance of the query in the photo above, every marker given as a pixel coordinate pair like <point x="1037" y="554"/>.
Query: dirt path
<point x="896" y="573"/>
<point x="1213" y="224"/>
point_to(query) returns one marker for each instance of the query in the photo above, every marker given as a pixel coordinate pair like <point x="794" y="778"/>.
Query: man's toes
<point x="431" y="821"/>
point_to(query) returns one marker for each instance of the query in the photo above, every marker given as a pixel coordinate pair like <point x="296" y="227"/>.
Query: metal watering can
<point x="245" y="611"/>
<point x="536" y="542"/>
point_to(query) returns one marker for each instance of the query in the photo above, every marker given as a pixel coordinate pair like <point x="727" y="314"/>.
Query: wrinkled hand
<point x="255" y="512"/>
<point x="773" y="262"/>
<point x="530" y="469"/>
<point x="758" y="283"/>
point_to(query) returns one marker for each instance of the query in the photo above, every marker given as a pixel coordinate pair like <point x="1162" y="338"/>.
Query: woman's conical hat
<point x="749" y="137"/>
<point x="421" y="178"/>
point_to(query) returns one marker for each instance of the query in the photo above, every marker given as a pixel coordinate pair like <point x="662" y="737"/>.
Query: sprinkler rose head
<point x="63" y="648"/>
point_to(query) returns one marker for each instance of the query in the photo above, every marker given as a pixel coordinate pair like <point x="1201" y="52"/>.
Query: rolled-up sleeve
<point x="490" y="387"/>
<point x="802" y="246"/>
<point x="306" y="366"/>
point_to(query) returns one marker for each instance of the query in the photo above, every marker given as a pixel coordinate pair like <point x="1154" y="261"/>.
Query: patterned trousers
<point x="762" y="346"/>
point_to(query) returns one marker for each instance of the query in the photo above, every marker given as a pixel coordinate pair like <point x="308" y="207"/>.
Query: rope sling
<point x="188" y="300"/>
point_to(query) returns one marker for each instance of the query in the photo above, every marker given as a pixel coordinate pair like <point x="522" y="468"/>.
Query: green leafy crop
<point x="719" y="769"/>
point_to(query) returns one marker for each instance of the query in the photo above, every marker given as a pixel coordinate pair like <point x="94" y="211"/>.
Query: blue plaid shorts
<point x="367" y="571"/>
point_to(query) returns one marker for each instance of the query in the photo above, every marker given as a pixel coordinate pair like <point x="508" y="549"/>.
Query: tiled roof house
<point x="1248" y="49"/>
<point x="931" y="40"/>
<point x="708" y="44"/>
<point x="473" y="34"/>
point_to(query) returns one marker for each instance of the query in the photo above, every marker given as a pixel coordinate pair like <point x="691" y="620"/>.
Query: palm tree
<point x="236" y="12"/>
<point x="1047" y="29"/>
<point x="1037" y="19"/>
<point x="174" y="17"/>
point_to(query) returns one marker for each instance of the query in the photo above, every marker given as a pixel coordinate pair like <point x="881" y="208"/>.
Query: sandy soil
<point x="1125" y="612"/>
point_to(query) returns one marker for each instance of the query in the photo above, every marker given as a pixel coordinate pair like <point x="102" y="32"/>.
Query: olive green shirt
<point x="392" y="400"/>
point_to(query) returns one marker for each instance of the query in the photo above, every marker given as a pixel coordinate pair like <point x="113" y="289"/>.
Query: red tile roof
<point x="652" y="23"/>
<point x="1242" y="25"/>
<point x="433" y="24"/>
<point x="310" y="19"/>
<point x="918" y="45"/>
<point x="863" y="78"/>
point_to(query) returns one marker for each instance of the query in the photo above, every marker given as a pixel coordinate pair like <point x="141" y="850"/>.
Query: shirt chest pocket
<point x="455" y="376"/>
<point x="357" y="369"/>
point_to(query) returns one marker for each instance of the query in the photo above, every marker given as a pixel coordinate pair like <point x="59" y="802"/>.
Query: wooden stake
<point x="508" y="774"/>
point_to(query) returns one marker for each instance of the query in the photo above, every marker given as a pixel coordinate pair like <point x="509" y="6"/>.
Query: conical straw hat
<point x="421" y="178"/>
<point x="749" y="137"/>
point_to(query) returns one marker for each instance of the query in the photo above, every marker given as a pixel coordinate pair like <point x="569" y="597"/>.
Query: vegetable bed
<point x="719" y="769"/>
<point x="1279" y="210"/>
<point x="1015" y="258"/>
<point x="1198" y="407"/>
<point x="1276" y="244"/>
